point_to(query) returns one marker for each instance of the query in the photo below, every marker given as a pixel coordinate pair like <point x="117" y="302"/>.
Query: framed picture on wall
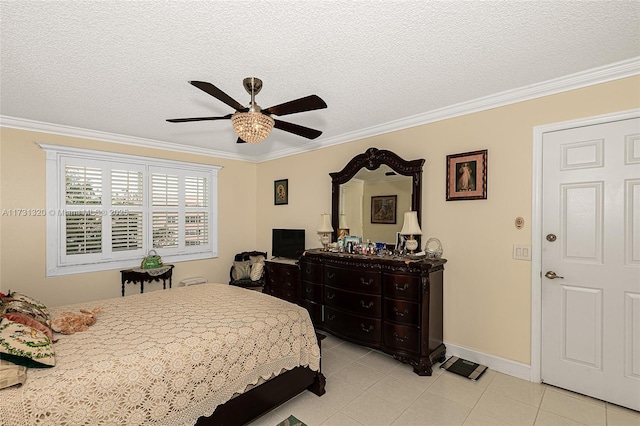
<point x="383" y="208"/>
<point x="467" y="176"/>
<point x="281" y="192"/>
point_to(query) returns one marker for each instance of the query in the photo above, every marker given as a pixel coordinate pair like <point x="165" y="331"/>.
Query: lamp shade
<point x="410" y="225"/>
<point x="325" y="223"/>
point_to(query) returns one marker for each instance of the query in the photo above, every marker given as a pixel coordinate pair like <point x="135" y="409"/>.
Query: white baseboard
<point x="503" y="365"/>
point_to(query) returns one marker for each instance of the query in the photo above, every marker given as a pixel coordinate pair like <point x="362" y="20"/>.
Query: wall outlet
<point x="521" y="252"/>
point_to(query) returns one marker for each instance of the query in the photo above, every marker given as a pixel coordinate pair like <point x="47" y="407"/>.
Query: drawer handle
<point x="404" y="287"/>
<point x="331" y="296"/>
<point x="307" y="271"/>
<point x="363" y="282"/>
<point x="331" y="317"/>
<point x="331" y="275"/>
<point x="308" y="290"/>
<point x="400" y="314"/>
<point x="366" y="306"/>
<point x="365" y="329"/>
<point x="400" y="339"/>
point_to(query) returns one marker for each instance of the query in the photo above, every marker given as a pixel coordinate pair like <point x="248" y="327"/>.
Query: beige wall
<point x="487" y="293"/>
<point x="22" y="182"/>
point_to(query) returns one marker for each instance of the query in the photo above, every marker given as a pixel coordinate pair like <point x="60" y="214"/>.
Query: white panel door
<point x="591" y="261"/>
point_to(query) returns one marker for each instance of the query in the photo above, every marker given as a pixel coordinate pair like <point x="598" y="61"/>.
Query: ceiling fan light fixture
<point x="252" y="127"/>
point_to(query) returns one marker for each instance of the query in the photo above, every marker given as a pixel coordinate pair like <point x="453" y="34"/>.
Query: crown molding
<point x="78" y="132"/>
<point x="610" y="72"/>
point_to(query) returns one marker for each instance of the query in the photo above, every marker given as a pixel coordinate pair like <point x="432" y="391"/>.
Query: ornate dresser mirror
<point x="381" y="167"/>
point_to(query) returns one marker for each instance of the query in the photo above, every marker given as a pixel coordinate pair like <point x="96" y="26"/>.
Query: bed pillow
<point x="257" y="267"/>
<point x="25" y="308"/>
<point x="24" y="345"/>
<point x="29" y="321"/>
<point x="256" y="271"/>
<point x="11" y="374"/>
<point x="241" y="270"/>
<point x="38" y="304"/>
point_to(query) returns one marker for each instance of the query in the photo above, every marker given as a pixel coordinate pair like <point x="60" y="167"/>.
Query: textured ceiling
<point x="121" y="67"/>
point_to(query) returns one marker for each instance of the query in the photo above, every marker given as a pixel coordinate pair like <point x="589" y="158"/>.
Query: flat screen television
<point x="287" y="243"/>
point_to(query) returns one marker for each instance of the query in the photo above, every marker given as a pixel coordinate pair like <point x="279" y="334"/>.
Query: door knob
<point x="552" y="275"/>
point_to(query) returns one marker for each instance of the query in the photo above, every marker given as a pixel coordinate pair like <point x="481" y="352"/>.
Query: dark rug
<point x="291" y="421"/>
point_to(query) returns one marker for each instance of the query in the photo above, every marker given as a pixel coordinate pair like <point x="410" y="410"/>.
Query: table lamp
<point x="325" y="229"/>
<point x="410" y="227"/>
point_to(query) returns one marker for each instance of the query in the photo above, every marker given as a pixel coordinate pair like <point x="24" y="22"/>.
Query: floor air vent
<point x="465" y="368"/>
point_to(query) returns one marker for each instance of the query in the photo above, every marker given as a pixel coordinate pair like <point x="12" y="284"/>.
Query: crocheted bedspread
<point x="163" y="358"/>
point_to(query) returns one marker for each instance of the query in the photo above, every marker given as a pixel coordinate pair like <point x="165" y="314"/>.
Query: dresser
<point x="282" y="279"/>
<point x="382" y="302"/>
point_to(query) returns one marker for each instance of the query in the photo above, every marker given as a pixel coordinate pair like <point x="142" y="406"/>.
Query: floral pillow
<point x="24" y="345"/>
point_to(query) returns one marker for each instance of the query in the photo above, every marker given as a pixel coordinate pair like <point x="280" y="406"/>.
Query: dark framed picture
<point x="281" y="192"/>
<point x="467" y="176"/>
<point x="383" y="208"/>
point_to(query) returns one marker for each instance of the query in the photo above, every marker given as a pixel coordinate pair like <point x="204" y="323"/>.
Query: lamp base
<point x="325" y="239"/>
<point x="411" y="244"/>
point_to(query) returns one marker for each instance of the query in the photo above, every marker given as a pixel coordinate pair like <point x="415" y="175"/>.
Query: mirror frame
<point x="371" y="159"/>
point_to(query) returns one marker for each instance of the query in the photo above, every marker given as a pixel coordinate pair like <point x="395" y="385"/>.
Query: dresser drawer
<point x="398" y="286"/>
<point x="310" y="271"/>
<point x="311" y="291"/>
<point x="290" y="295"/>
<point x="352" y="279"/>
<point x="401" y="311"/>
<point x="315" y="311"/>
<point x="363" y="329"/>
<point x="281" y="275"/>
<point x="402" y="337"/>
<point x="357" y="303"/>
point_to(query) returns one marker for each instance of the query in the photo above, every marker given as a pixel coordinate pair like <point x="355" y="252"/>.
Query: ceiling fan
<point x="253" y="124"/>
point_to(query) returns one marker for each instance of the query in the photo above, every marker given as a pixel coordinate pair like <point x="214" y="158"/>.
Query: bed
<point x="204" y="354"/>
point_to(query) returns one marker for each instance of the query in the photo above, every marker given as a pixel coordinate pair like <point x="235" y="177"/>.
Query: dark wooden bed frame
<point x="257" y="401"/>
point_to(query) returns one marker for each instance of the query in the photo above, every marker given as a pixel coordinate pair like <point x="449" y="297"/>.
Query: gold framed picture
<point x="281" y="192"/>
<point x="383" y="208"/>
<point x="467" y="176"/>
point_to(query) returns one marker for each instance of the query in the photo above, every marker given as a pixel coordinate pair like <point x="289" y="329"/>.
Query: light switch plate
<point x="521" y="252"/>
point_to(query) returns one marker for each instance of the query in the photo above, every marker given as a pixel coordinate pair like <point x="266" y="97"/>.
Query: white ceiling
<point x="115" y="70"/>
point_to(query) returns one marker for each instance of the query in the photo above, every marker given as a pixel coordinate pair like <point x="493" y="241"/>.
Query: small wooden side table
<point x="142" y="275"/>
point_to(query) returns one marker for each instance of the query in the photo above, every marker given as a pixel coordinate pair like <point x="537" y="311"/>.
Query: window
<point x="106" y="210"/>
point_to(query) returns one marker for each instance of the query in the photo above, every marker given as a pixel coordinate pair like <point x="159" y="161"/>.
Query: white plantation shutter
<point x="83" y="197"/>
<point x="83" y="232"/>
<point x="127" y="198"/>
<point x="180" y="209"/>
<point x="126" y="188"/>
<point x="107" y="210"/>
<point x="164" y="201"/>
<point x="196" y="215"/>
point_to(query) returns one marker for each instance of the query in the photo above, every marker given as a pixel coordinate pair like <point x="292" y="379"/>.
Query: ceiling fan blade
<point x="184" y="120"/>
<point x="308" y="103"/>
<point x="217" y="93"/>
<point x="296" y="129"/>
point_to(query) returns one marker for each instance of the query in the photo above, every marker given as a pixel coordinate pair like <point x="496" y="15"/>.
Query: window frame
<point x="58" y="262"/>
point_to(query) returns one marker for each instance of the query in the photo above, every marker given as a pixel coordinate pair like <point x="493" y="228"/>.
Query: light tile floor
<point x="366" y="387"/>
